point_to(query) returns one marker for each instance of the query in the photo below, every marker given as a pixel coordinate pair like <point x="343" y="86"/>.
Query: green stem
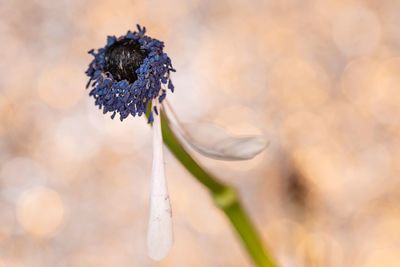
<point x="225" y="198"/>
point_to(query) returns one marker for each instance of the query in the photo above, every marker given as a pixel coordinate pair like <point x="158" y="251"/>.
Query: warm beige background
<point x="321" y="79"/>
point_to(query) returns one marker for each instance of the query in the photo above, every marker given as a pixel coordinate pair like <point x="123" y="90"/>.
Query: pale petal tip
<point x="159" y="249"/>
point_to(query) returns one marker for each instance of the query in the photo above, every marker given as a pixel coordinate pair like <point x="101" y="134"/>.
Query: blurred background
<point x="321" y="80"/>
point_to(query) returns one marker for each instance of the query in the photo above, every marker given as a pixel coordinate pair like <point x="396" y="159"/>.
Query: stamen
<point x="128" y="72"/>
<point x="160" y="233"/>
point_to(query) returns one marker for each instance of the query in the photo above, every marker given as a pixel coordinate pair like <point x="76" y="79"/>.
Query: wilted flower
<point x="131" y="74"/>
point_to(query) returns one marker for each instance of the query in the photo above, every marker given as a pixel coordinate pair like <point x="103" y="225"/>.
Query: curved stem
<point x="225" y="198"/>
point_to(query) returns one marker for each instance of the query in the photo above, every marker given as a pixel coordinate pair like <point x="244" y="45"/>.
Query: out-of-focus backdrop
<point x="321" y="79"/>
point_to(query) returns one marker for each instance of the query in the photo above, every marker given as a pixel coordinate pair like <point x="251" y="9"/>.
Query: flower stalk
<point x="225" y="198"/>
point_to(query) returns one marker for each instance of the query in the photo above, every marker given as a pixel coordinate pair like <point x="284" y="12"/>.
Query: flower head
<point x="128" y="73"/>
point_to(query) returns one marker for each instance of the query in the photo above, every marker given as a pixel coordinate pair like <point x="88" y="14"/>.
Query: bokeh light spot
<point x="40" y="212"/>
<point x="356" y="30"/>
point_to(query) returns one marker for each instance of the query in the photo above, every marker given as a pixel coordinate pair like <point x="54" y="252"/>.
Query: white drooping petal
<point x="214" y="141"/>
<point x="160" y="232"/>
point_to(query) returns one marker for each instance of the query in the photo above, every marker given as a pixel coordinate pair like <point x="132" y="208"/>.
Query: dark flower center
<point x="123" y="58"/>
